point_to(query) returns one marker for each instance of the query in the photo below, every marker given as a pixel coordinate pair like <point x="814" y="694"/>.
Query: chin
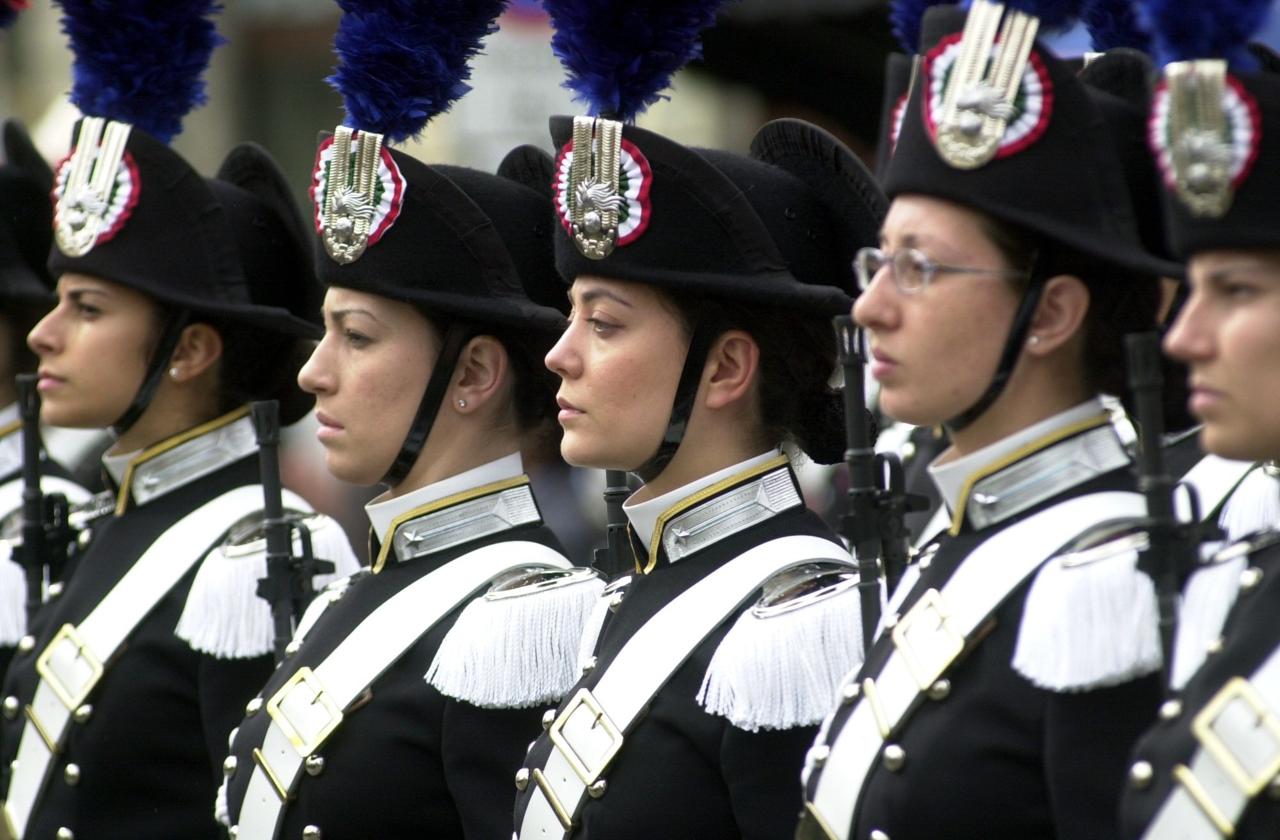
<point x="906" y="411"/>
<point x="1237" y="444"/>
<point x="578" y="452"/>
<point x="351" y="471"/>
<point x="74" y="417"/>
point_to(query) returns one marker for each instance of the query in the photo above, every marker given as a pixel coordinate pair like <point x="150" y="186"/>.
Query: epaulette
<point x="1254" y="504"/>
<point x="781" y="663"/>
<point x="1090" y="619"/>
<point x="223" y="615"/>
<point x="1207" y="600"/>
<point x="516" y="645"/>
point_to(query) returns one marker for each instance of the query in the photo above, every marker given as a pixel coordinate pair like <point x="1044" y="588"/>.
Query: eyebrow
<point x="76" y="294"/>
<point x="594" y="294"/>
<point x="341" y="314"/>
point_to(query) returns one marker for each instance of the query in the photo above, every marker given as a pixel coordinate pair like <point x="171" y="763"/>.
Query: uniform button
<point x="10" y="707"/>
<point x="71" y="774"/>
<point x="894" y="757"/>
<point x="1250" y="578"/>
<point x="597" y="788"/>
<point x="231" y="739"/>
<point x="940" y="690"/>
<point x="289" y="650"/>
<point x="818" y="754"/>
<point x="229" y="766"/>
<point x="65" y="833"/>
<point x="233" y="832"/>
<point x="82" y="713"/>
<point x="314" y="765"/>
<point x="311" y="832"/>
<point x="615" y="601"/>
<point x="26" y="644"/>
<point x="1214" y="646"/>
<point x="548" y="718"/>
<point x="55" y="589"/>
<point x="251" y="708"/>
<point x="850" y="691"/>
<point x="877" y="834"/>
<point x="908" y="451"/>
<point x="1140" y="774"/>
<point x="589" y="666"/>
<point x="522" y="778"/>
<point x="85" y="537"/>
<point x="925" y="562"/>
<point x="1170" y="709"/>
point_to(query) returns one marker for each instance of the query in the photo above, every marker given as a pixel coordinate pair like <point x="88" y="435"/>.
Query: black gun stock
<point x="610" y="560"/>
<point x="33" y="553"/>
<point x="277" y="587"/>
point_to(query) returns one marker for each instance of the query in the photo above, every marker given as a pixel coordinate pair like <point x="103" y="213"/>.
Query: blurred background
<point x="820" y="60"/>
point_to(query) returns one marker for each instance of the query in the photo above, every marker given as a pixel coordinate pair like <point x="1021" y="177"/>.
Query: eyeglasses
<point x="910" y="270"/>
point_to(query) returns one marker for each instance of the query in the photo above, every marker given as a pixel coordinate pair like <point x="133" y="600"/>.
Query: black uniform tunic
<point x="149" y="753"/>
<point x="1250" y="636"/>
<point x="406" y="761"/>
<point x="998" y="757"/>
<point x="682" y="772"/>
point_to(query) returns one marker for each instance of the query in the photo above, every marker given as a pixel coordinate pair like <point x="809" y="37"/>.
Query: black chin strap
<point x="174" y="324"/>
<point x="455" y="337"/>
<point x="1008" y="357"/>
<point x="705" y="332"/>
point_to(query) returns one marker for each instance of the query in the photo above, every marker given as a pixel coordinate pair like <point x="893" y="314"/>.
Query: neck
<point x="160" y="422"/>
<point x="1027" y="400"/>
<point x="698" y="455"/>
<point x="445" y="456"/>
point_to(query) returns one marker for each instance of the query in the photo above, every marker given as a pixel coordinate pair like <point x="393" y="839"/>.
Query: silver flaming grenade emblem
<point x="1200" y="146"/>
<point x="349" y="194"/>
<point x="594" y="200"/>
<point x="84" y="196"/>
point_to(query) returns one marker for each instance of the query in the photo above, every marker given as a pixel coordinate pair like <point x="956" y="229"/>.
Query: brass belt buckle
<point x="585" y="703"/>
<point x="928" y="618"/>
<point x="304" y="679"/>
<point x="70" y="698"/>
<point x="812" y="825"/>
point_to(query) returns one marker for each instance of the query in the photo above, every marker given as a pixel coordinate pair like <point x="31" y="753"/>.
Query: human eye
<point x="356" y="339"/>
<point x="602" y="327"/>
<point x="86" y="311"/>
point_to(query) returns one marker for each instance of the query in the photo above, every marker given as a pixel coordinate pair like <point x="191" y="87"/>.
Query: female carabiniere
<point x="699" y="346"/>
<point x="412" y="690"/>
<point x="1008" y="269"/>
<point x="1207" y="768"/>
<point x="173" y="312"/>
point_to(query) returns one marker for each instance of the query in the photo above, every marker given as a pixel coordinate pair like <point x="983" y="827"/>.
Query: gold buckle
<point x="70" y="699"/>
<point x="1238" y="689"/>
<point x="304" y="746"/>
<point x="927" y="673"/>
<point x="586" y="771"/>
<point x="557" y="807"/>
<point x="261" y="760"/>
<point x="812" y="825"/>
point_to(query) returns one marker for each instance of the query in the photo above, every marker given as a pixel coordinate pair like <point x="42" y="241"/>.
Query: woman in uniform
<point x="1009" y="268"/>
<point x="1207" y="768"/>
<point x="412" y="691"/>
<point x="173" y="293"/>
<point x="698" y="356"/>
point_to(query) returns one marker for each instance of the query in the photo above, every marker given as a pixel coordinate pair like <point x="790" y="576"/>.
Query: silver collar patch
<point x="464" y="522"/>
<point x="192" y="460"/>
<point x="1044" y="474"/>
<point x="726" y="514"/>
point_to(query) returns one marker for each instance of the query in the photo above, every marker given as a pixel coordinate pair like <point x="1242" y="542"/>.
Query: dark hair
<point x="797" y="358"/>
<point x="258" y="364"/>
<point x="1121" y="301"/>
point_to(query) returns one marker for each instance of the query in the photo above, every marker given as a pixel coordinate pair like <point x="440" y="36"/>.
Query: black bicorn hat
<point x="1039" y="153"/>
<point x="26" y="217"/>
<point x="1217" y="102"/>
<point x="778" y="227"/>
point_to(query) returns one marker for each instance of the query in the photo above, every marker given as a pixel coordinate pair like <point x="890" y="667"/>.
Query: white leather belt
<point x="1238" y="756"/>
<point x="589" y="732"/>
<point x="309" y="707"/>
<point x="930" y="637"/>
<point x="73" y="662"/>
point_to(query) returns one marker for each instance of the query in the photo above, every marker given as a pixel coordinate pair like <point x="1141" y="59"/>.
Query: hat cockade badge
<point x="357" y="192"/>
<point x="96" y="187"/>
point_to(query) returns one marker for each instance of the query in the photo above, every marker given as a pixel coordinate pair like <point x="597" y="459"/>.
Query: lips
<point x="1201" y="398"/>
<point x="882" y="364"/>
<point x="329" y="428"/>
<point x="568" y="411"/>
<point x="48" y="380"/>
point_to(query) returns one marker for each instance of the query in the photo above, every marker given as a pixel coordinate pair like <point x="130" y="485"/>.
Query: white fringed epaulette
<point x="13" y="597"/>
<point x="1090" y="620"/>
<point x="1254" y="505"/>
<point x="516" y="646"/>
<point x="224" y="617"/>
<point x="782" y="662"/>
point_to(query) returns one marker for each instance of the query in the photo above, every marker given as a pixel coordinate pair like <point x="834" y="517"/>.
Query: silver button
<point x="597" y="788"/>
<point x="26" y="644"/>
<point x="615" y="600"/>
<point x="1214" y="646"/>
<point x="589" y="666"/>
<point x="229" y="766"/>
<point x="1170" y="709"/>
<point x="314" y="765"/>
<point x="877" y="834"/>
<point x="10" y="707"/>
<point x="850" y="691"/>
<point x="940" y="690"/>
<point x="818" y="754"/>
<point x="522" y="778"/>
<point x="231" y="739"/>
<point x="55" y="589"/>
<point x="71" y="774"/>
<point x="233" y="832"/>
<point x="548" y="718"/>
<point x="908" y="451"/>
<point x="1250" y="578"/>
<point x="84" y="538"/>
<point x="289" y="650"/>
<point x="65" y="833"/>
<point x="894" y="757"/>
<point x="311" y="832"/>
<point x="1141" y="774"/>
<point x="251" y="708"/>
<point x="82" y="713"/>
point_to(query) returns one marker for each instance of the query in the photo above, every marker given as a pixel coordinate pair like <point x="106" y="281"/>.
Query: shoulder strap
<point x="1214" y="480"/>
<point x="590" y="729"/>
<point x="928" y="639"/>
<point x="308" y="707"/>
<point x="75" y="660"/>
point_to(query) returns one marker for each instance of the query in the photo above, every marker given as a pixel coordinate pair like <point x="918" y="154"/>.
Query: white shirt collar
<point x="382" y="513"/>
<point x="950" y="477"/>
<point x="644" y="515"/>
<point x="115" y="465"/>
<point x="11" y="444"/>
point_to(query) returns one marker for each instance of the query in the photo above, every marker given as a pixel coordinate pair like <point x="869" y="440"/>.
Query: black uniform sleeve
<point x="482" y="750"/>
<point x="762" y="772"/>
<point x="225" y="686"/>
<point x="1089" y="738"/>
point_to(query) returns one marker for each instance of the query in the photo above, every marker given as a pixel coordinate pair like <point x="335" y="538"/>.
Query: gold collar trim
<point x="689" y="502"/>
<point x="149" y="475"/>
<point x="491" y="508"/>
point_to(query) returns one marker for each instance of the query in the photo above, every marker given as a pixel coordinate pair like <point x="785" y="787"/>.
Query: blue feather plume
<point x="905" y="17"/>
<point x="1183" y="30"/>
<point x="402" y="62"/>
<point x="1053" y="14"/>
<point x="1114" y="23"/>
<point x="620" y="55"/>
<point x="140" y="61"/>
